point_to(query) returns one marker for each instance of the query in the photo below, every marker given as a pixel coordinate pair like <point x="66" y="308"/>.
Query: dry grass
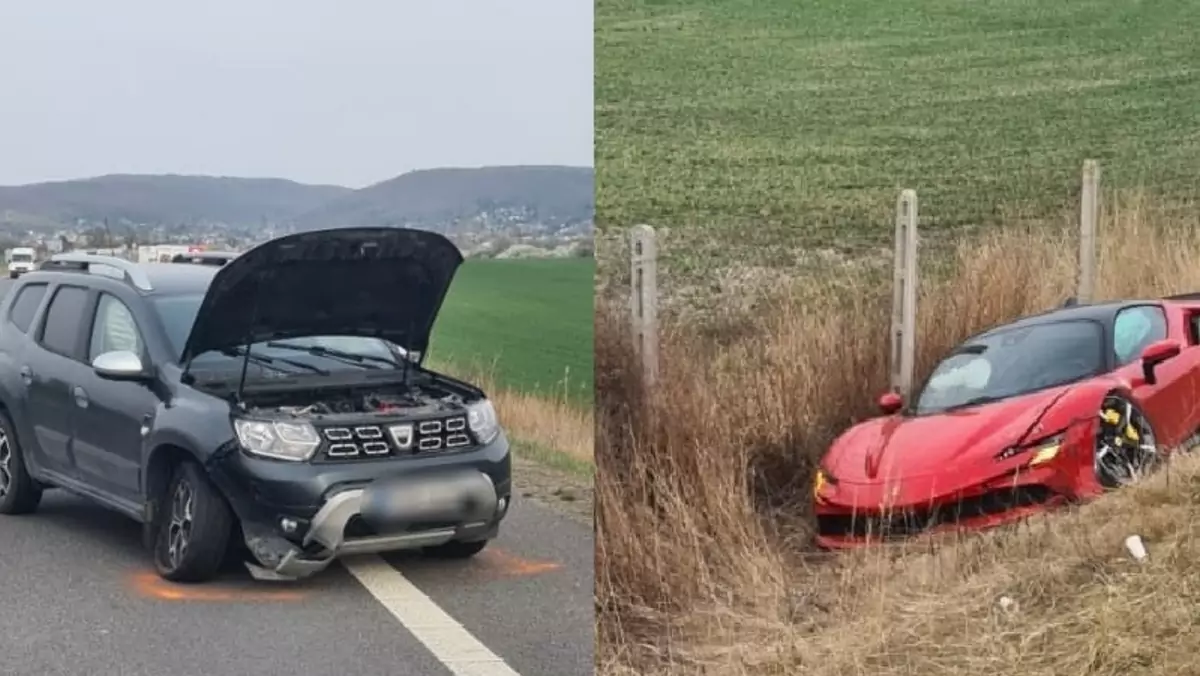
<point x="702" y="557"/>
<point x="552" y="422"/>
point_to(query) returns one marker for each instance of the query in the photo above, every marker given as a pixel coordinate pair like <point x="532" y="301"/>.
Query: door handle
<point x="81" y="398"/>
<point x="26" y="375"/>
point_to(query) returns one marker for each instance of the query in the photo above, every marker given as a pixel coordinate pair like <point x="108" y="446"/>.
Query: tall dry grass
<point x="552" y="421"/>
<point x="702" y="556"/>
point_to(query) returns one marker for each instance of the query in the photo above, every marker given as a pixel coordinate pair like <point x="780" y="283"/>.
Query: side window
<point x="64" y="319"/>
<point x="25" y="305"/>
<point x="114" y="329"/>
<point x="1134" y="329"/>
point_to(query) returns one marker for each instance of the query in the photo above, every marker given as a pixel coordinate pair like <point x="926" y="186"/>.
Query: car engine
<point x="357" y="401"/>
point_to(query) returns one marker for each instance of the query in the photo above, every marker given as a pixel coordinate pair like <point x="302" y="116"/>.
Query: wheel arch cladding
<point x="160" y="466"/>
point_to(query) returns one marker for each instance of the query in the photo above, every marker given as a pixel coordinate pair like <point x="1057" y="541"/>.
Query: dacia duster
<point x="276" y="406"/>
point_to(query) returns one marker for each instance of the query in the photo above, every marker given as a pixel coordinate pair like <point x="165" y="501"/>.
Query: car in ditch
<point x="1044" y="411"/>
<point x="276" y="408"/>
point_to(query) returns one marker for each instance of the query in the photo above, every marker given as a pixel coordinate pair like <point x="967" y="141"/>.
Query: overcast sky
<point x="313" y="90"/>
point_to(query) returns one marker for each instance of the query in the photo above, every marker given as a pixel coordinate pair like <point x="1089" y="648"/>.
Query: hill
<point x="516" y="200"/>
<point x="165" y="199"/>
<point x="465" y="199"/>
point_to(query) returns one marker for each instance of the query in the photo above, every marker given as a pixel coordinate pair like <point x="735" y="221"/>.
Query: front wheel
<point x="1126" y="447"/>
<point x="194" y="527"/>
<point x="19" y="493"/>
<point x="456" y="549"/>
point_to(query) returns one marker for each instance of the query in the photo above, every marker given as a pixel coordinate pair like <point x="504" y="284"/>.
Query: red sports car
<point x="1050" y="409"/>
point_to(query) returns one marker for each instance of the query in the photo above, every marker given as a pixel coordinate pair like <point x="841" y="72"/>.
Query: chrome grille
<point x="444" y="434"/>
<point x="425" y="436"/>
<point x="351" y="442"/>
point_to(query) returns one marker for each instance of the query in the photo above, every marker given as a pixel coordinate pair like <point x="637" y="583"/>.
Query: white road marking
<point x="448" y="640"/>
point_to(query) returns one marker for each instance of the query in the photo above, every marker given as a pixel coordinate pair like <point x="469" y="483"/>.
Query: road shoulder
<point x="568" y="492"/>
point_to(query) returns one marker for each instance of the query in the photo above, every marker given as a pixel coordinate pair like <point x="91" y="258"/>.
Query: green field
<point x="528" y="322"/>
<point x="759" y="127"/>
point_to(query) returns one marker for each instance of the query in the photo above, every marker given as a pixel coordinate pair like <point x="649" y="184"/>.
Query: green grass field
<point x="762" y="127"/>
<point x="528" y="322"/>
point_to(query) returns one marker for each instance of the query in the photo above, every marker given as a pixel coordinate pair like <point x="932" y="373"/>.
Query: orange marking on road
<point x="152" y="586"/>
<point x="508" y="563"/>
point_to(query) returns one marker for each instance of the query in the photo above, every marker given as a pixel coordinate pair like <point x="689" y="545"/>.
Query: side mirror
<point x="890" y="402"/>
<point x="1155" y="354"/>
<point x="119" y="365"/>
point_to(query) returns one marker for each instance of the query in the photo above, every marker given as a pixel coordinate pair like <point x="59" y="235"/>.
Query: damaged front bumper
<point x="298" y="519"/>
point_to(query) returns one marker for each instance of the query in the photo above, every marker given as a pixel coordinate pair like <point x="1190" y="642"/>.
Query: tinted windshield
<point x="22" y="258"/>
<point x="1014" y="362"/>
<point x="178" y="313"/>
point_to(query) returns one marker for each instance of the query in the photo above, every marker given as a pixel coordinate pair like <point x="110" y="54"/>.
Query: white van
<point x="20" y="260"/>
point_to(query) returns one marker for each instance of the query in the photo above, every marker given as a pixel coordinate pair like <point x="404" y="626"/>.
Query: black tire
<point x="456" y="550"/>
<point x="194" y="526"/>
<point x="1126" y="445"/>
<point x="12" y="275"/>
<point x="19" y="493"/>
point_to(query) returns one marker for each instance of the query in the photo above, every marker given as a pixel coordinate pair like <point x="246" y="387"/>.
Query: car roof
<point x="1098" y="312"/>
<point x="165" y="278"/>
<point x="173" y="278"/>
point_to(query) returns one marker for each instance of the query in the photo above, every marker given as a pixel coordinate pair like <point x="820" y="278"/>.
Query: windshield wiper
<point x="270" y="362"/>
<point x="338" y="355"/>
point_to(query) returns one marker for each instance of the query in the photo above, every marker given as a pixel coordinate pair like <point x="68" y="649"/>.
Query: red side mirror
<point x="1155" y="354"/>
<point x="890" y="402"/>
<point x="1160" y="351"/>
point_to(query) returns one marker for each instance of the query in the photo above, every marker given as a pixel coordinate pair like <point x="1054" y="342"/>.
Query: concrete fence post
<point x="644" y="299"/>
<point x="1089" y="217"/>
<point x="904" y="295"/>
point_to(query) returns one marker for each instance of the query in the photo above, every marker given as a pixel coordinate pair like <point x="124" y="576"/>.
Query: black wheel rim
<point x="1126" y="448"/>
<point x="5" y="465"/>
<point x="179" y="529"/>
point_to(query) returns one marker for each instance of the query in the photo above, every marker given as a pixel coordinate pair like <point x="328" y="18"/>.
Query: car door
<point x="16" y="340"/>
<point x="110" y="414"/>
<point x="1166" y="402"/>
<point x="49" y="370"/>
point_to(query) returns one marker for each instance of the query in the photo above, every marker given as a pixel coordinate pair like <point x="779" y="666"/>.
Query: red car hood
<point x="958" y="446"/>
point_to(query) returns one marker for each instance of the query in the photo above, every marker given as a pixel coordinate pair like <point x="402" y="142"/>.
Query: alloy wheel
<point x="1126" y="449"/>
<point x="179" y="530"/>
<point x="6" y="478"/>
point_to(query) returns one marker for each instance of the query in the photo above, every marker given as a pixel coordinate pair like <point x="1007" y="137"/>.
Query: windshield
<point x="326" y="353"/>
<point x="22" y="258"/>
<point x="1014" y="362"/>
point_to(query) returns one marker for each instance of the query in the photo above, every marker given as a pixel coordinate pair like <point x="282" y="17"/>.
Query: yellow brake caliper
<point x="1112" y="418"/>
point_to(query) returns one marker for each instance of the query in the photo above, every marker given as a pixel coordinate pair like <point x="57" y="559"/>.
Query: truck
<point x="20" y="261"/>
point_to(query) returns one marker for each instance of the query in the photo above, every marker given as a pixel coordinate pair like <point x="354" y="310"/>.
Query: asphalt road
<point x="78" y="596"/>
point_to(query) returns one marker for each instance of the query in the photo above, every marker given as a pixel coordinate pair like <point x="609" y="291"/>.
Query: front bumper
<point x="996" y="503"/>
<point x="298" y="518"/>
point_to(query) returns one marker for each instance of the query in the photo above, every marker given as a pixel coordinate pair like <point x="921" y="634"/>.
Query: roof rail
<point x="107" y="266"/>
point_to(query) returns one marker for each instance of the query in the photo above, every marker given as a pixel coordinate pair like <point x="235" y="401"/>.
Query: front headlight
<point x="822" y="479"/>
<point x="1044" y="450"/>
<point x="281" y="440"/>
<point x="481" y="418"/>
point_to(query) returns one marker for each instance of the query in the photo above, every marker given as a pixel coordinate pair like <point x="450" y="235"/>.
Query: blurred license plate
<point x="449" y="497"/>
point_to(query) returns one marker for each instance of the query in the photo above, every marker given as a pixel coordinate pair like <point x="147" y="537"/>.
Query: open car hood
<point x="377" y="282"/>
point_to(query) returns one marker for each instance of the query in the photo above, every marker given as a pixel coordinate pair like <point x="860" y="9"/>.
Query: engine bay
<point x="361" y="400"/>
